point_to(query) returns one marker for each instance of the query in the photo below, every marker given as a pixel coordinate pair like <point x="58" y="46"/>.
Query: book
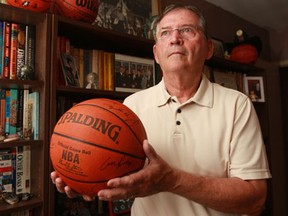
<point x="87" y="64"/>
<point x="21" y="32"/>
<point x="19" y="126"/>
<point x="30" y="46"/>
<point x="6" y="170"/>
<point x="1" y="47"/>
<point x="13" y="110"/>
<point x="27" y="116"/>
<point x="81" y="67"/>
<point x="34" y="102"/>
<point x="13" y="51"/>
<point x="23" y="175"/>
<point x="2" y="111"/>
<point x="7" y="115"/>
<point x="6" y="65"/>
<point x="108" y="71"/>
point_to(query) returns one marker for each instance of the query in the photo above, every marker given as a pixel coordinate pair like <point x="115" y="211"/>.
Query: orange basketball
<point x="82" y="10"/>
<point x="244" y="53"/>
<point x="33" y="5"/>
<point x="94" y="141"/>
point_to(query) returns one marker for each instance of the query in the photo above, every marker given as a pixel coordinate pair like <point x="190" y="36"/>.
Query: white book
<point x="34" y="102"/>
<point x="23" y="165"/>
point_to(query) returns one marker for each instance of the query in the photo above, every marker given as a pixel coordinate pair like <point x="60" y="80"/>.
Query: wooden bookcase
<point x="39" y="148"/>
<point x="87" y="36"/>
<point x="48" y="28"/>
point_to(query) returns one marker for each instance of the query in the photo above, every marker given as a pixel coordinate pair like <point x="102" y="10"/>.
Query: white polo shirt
<point x="215" y="133"/>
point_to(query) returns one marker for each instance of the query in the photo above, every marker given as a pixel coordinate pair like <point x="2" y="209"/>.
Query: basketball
<point x="33" y="5"/>
<point x="82" y="10"/>
<point x="244" y="53"/>
<point x="94" y="141"/>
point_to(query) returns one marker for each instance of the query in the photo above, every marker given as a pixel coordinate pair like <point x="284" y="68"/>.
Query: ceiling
<point x="271" y="15"/>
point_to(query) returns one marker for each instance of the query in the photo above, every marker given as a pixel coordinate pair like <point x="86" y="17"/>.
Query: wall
<point x="279" y="45"/>
<point x="222" y="25"/>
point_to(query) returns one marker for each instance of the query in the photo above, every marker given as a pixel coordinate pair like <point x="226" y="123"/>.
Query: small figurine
<point x="26" y="73"/>
<point x="92" y="79"/>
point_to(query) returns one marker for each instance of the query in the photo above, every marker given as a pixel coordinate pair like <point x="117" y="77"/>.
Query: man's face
<point x="182" y="49"/>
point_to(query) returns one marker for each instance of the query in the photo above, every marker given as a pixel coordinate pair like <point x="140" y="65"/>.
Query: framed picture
<point x="70" y="70"/>
<point x="133" y="73"/>
<point x="254" y="88"/>
<point x="218" y="48"/>
<point x="127" y="16"/>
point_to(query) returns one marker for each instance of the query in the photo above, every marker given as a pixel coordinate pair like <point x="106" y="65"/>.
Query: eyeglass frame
<point x="181" y="31"/>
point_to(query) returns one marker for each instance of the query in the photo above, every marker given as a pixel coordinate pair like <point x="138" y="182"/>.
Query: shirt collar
<point x="203" y="96"/>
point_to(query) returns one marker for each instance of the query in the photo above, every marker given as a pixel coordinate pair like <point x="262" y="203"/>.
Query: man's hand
<point x="156" y="176"/>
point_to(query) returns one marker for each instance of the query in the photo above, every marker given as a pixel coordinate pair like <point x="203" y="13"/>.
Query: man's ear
<point x="155" y="53"/>
<point x="210" y="49"/>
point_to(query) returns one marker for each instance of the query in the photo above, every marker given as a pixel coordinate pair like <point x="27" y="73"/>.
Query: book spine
<point x="23" y="167"/>
<point x="20" y="113"/>
<point x="7" y="111"/>
<point x="27" y="130"/>
<point x="2" y="112"/>
<point x="21" y="48"/>
<point x="6" y="171"/>
<point x="101" y="69"/>
<point x="7" y="30"/>
<point x="30" y="46"/>
<point x="13" y="51"/>
<point x="27" y="165"/>
<point x="34" y="100"/>
<point x="19" y="170"/>
<point x="1" y="47"/>
<point x="81" y="66"/>
<point x="13" y="110"/>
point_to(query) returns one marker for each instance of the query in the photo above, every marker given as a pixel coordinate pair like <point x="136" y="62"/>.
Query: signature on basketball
<point x="112" y="163"/>
<point x="127" y="113"/>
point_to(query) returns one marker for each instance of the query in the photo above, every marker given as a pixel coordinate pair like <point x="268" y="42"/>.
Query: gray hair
<point x="202" y="22"/>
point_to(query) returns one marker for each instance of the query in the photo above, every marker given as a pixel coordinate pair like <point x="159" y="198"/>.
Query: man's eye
<point x="164" y="33"/>
<point x="187" y="30"/>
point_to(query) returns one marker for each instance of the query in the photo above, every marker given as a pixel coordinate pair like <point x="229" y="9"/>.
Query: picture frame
<point x="254" y="88"/>
<point x="129" y="16"/>
<point x="218" y="48"/>
<point x="70" y="71"/>
<point x="133" y="74"/>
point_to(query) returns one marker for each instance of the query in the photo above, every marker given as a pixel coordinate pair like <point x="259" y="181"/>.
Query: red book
<point x="13" y="51"/>
<point x="7" y="30"/>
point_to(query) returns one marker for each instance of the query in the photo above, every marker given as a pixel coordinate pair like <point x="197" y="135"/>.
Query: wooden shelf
<point x="6" y="208"/>
<point x="232" y="65"/>
<point x="20" y="84"/>
<point x="83" y="93"/>
<point x="89" y="36"/>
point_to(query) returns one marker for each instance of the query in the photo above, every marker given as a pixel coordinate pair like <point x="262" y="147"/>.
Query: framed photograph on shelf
<point x="70" y="71"/>
<point x="254" y="88"/>
<point x="218" y="48"/>
<point x="133" y="73"/>
<point x="127" y="16"/>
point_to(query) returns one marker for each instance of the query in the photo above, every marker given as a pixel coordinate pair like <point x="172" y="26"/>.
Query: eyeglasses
<point x="186" y="32"/>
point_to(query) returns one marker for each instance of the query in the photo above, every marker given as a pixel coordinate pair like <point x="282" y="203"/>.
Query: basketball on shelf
<point x="244" y="53"/>
<point x="94" y="141"/>
<point x="33" y="5"/>
<point x="82" y="10"/>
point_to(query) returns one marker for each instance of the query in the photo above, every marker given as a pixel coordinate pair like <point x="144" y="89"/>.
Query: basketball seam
<point x="98" y="145"/>
<point x="116" y="116"/>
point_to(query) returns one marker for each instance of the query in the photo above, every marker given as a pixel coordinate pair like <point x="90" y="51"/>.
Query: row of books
<point x="98" y="69"/>
<point x="19" y="113"/>
<point x="15" y="169"/>
<point x="17" y="49"/>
